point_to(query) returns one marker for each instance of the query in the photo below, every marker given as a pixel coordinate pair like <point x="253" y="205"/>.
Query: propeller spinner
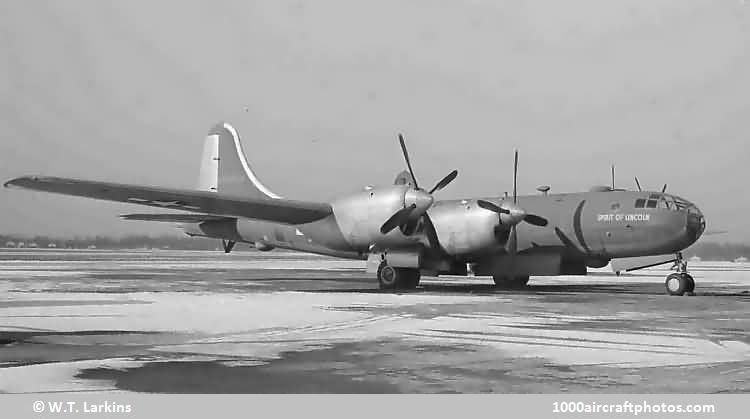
<point x="416" y="201"/>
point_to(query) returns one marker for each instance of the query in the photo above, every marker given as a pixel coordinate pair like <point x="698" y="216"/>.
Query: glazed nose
<point x="696" y="224"/>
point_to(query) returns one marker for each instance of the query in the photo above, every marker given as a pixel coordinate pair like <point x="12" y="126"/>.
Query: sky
<point x="126" y="91"/>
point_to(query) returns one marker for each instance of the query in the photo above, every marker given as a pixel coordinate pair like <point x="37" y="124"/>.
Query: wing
<point x="284" y="211"/>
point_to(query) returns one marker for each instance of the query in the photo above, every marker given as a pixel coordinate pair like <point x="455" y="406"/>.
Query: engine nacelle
<point x="360" y="216"/>
<point x="463" y="228"/>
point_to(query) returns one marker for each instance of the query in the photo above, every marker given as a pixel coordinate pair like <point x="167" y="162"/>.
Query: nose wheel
<point x="680" y="282"/>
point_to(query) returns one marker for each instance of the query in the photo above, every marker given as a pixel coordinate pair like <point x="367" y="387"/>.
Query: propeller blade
<point x="431" y="233"/>
<point x="536" y="220"/>
<point x="445" y="181"/>
<point x="406" y="157"/>
<point x="400" y="217"/>
<point x="515" y="176"/>
<point x="512" y="248"/>
<point x="489" y="206"/>
<point x="638" y="184"/>
<point x="664" y="189"/>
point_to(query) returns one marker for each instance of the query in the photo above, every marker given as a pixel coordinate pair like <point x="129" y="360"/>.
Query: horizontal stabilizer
<point x="174" y="218"/>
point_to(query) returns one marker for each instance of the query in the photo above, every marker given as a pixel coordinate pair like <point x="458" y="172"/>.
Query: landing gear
<point x="390" y="277"/>
<point x="681" y="282"/>
<point x="510" y="282"/>
<point x="228" y="245"/>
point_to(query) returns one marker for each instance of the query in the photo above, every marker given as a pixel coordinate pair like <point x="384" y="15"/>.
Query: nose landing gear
<point x="680" y="282"/>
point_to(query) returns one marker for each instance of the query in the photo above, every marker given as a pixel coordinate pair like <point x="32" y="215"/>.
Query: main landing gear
<point x="228" y="245"/>
<point x="680" y="282"/>
<point x="511" y="282"/>
<point x="390" y="277"/>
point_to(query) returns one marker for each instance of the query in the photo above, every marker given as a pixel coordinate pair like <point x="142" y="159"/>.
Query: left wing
<point x="284" y="211"/>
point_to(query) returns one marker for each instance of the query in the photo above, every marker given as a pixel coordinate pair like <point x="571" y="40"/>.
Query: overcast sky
<point x="126" y="91"/>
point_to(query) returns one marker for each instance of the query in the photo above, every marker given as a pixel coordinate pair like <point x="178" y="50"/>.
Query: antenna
<point x="613" y="177"/>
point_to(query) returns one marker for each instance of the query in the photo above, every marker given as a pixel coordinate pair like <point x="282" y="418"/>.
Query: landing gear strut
<point x="228" y="245"/>
<point x="390" y="277"/>
<point x="680" y="282"/>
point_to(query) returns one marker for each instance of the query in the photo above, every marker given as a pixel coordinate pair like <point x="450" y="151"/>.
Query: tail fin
<point x="224" y="166"/>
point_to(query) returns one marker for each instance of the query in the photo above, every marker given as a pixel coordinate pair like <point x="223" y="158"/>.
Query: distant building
<point x="21" y="245"/>
<point x="33" y="245"/>
<point x="740" y="259"/>
<point x="52" y="246"/>
<point x="92" y="247"/>
<point x="10" y="244"/>
<point x="694" y="259"/>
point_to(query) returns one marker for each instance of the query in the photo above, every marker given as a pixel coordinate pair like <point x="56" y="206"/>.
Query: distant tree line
<point x="106" y="242"/>
<point x="718" y="251"/>
<point x="706" y="250"/>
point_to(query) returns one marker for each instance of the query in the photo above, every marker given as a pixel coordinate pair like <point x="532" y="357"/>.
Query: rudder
<point x="224" y="157"/>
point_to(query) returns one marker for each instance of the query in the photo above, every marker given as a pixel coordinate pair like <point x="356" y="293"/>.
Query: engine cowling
<point x="464" y="228"/>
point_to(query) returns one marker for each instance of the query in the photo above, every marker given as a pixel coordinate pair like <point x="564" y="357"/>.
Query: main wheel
<point x="390" y="277"/>
<point x="508" y="282"/>
<point x="690" y="283"/>
<point x="677" y="284"/>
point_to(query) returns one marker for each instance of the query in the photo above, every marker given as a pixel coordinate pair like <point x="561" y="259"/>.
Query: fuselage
<point x="596" y="226"/>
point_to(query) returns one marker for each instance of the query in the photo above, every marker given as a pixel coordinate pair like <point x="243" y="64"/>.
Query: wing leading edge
<point x="284" y="211"/>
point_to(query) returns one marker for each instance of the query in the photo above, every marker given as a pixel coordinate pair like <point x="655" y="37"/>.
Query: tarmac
<point x="279" y="322"/>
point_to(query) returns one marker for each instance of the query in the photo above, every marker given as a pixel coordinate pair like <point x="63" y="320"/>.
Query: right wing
<point x="284" y="211"/>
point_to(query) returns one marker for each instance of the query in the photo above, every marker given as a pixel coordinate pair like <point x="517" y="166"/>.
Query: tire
<point x="391" y="278"/>
<point x="676" y="284"/>
<point x="690" y="283"/>
<point x="388" y="276"/>
<point x="506" y="282"/>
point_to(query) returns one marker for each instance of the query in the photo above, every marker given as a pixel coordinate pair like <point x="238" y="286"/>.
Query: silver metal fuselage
<point x="588" y="225"/>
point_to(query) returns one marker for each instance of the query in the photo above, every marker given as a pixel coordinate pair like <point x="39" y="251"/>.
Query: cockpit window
<point x="651" y="203"/>
<point x="640" y="203"/>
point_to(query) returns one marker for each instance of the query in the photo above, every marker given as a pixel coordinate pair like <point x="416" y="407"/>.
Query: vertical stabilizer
<point x="233" y="173"/>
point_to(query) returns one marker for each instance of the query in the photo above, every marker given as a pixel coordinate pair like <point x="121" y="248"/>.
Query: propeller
<point x="416" y="201"/>
<point x="512" y="214"/>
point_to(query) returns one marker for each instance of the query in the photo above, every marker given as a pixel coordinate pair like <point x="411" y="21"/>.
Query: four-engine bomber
<point x="404" y="231"/>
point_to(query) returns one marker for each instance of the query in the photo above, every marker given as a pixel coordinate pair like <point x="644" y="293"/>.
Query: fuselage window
<point x="639" y="203"/>
<point x="651" y="203"/>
